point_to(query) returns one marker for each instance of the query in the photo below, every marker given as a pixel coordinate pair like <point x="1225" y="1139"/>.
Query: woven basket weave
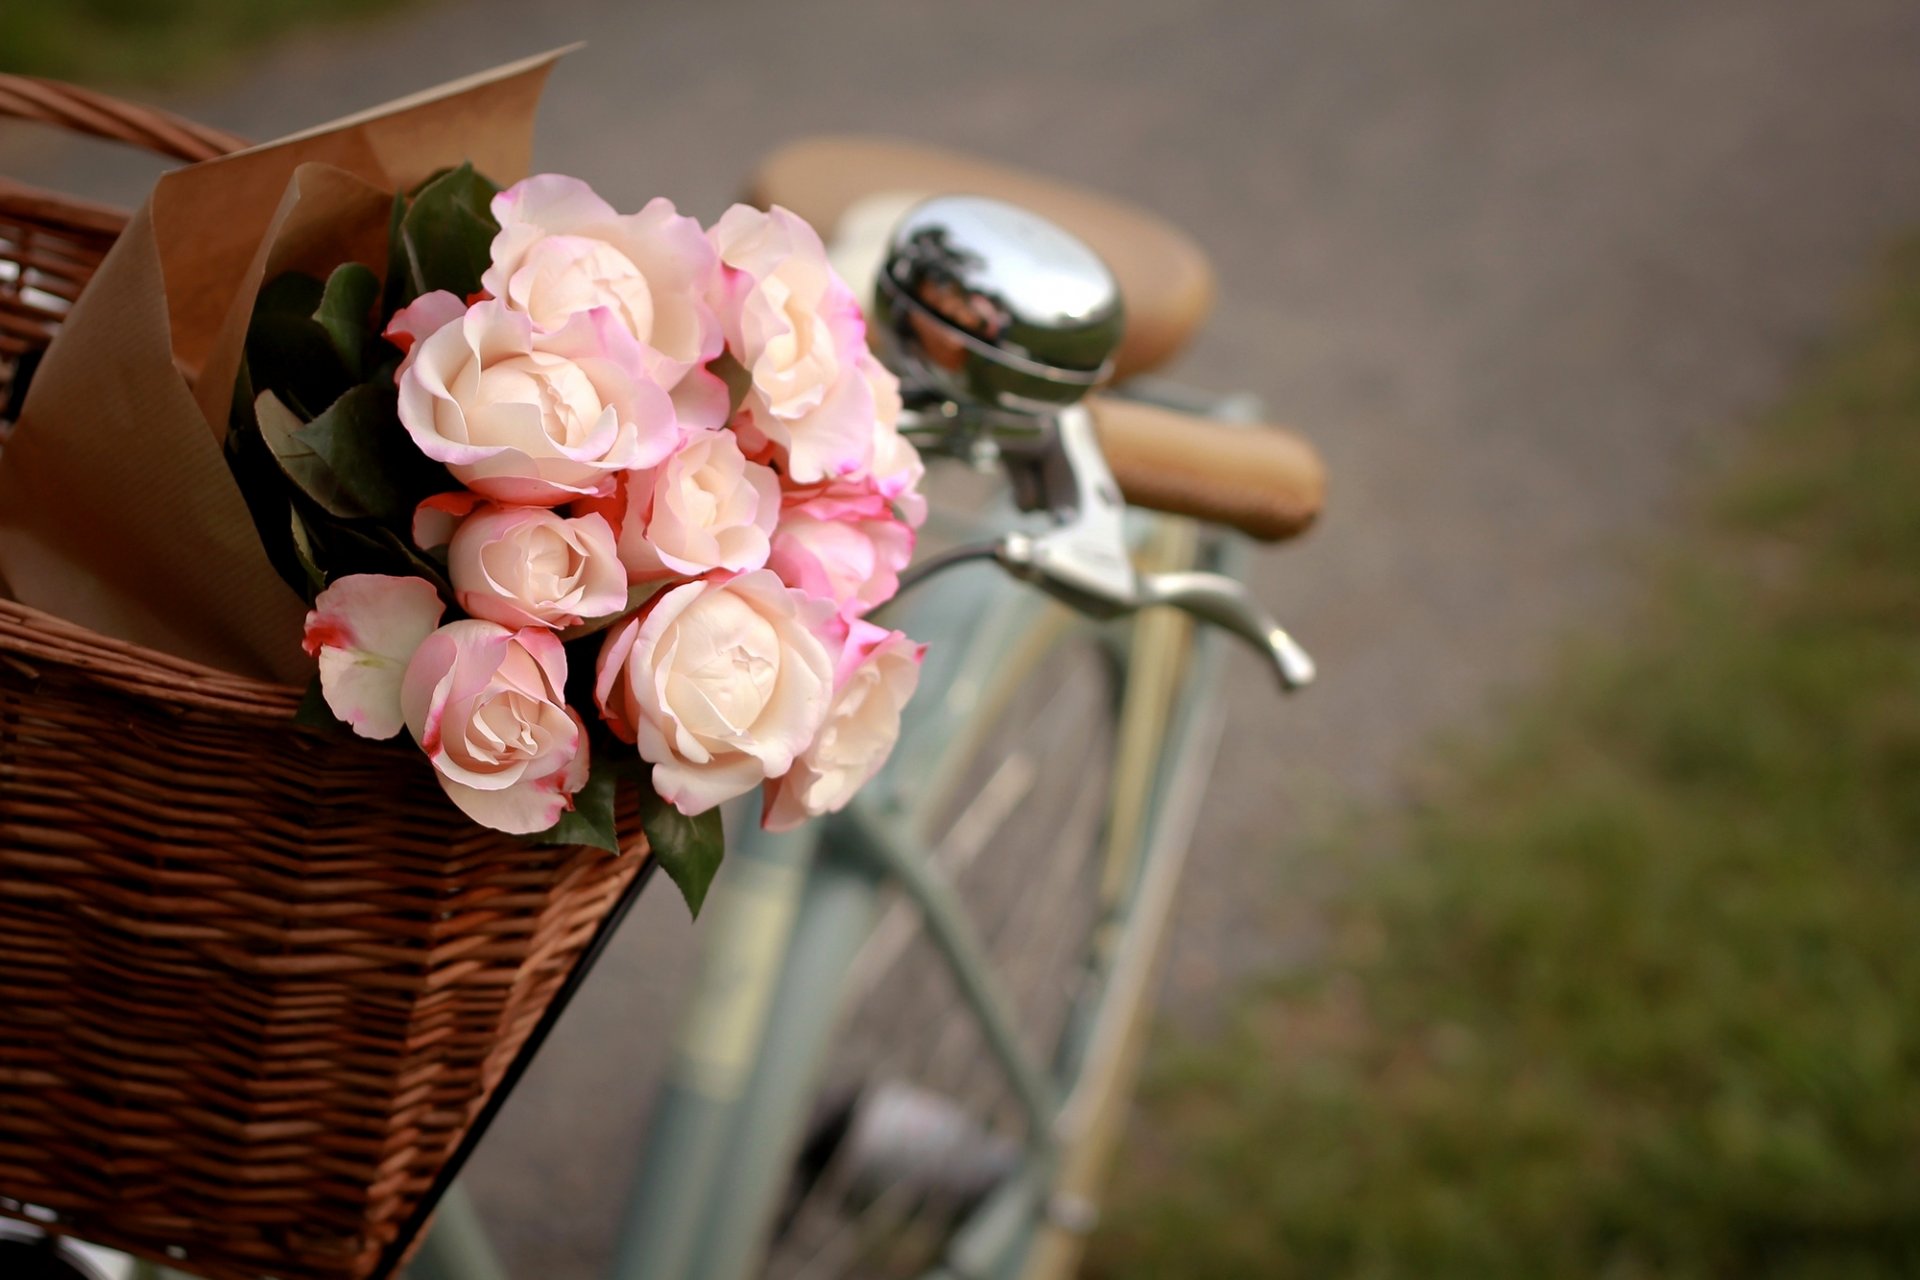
<point x="255" y="981"/>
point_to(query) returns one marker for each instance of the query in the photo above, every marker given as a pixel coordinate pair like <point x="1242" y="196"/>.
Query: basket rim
<point x="29" y="635"/>
<point x="63" y="105"/>
<point x="60" y="210"/>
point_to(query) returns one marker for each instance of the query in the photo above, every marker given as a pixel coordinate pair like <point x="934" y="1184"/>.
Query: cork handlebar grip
<point x="1265" y="481"/>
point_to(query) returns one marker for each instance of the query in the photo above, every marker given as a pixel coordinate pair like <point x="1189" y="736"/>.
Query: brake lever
<point x="1083" y="559"/>
<point x="1225" y="602"/>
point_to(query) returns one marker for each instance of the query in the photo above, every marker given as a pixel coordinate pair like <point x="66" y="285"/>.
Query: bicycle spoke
<point x="1021" y="850"/>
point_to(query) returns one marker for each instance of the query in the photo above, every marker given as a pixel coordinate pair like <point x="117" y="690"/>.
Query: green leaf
<point x="293" y="293"/>
<point x="387" y="372"/>
<point x="403" y="286"/>
<point x="420" y="564"/>
<point x="263" y="487"/>
<point x="343" y="310"/>
<point x="314" y="712"/>
<point x="280" y="427"/>
<point x="590" y="821"/>
<point x="292" y="356"/>
<point x="688" y="849"/>
<point x="345" y="547"/>
<point x="305" y="555"/>
<point x="353" y="440"/>
<point x="446" y="235"/>
<point x="355" y="460"/>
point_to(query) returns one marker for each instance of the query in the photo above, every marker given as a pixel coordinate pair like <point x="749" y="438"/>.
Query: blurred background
<point x="1565" y="928"/>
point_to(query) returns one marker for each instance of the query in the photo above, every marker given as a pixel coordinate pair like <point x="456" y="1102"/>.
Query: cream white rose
<point x="707" y="507"/>
<point x="719" y="682"/>
<point x="797" y="330"/>
<point x="525" y="416"/>
<point x="562" y="250"/>
<point x="878" y="672"/>
<point x="532" y="567"/>
<point x="488" y="706"/>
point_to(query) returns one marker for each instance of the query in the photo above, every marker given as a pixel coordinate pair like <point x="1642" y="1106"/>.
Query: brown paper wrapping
<point x="117" y="510"/>
<point x="327" y="217"/>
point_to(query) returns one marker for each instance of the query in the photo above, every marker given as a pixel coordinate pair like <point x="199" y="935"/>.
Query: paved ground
<point x="1519" y="267"/>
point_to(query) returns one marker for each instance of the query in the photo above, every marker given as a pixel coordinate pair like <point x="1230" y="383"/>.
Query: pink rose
<point x="704" y="508"/>
<point x="877" y="674"/>
<point x="364" y="630"/>
<point x="848" y="549"/>
<point x="525" y="416"/>
<point x="797" y="331"/>
<point x="487" y="705"/>
<point x="563" y="250"/>
<point x="720" y="683"/>
<point x="532" y="567"/>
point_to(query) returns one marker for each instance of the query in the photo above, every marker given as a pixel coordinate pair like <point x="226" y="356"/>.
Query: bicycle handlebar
<point x="1265" y="481"/>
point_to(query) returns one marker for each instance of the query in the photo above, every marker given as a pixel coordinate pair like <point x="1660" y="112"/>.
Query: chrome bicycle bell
<point x="985" y="302"/>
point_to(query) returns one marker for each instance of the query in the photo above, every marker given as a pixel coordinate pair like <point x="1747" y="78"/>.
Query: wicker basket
<point x="256" y="982"/>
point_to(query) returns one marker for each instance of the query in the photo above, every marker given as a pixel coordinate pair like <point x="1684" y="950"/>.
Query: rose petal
<point x="875" y="678"/>
<point x="694" y="790"/>
<point x="523" y="809"/>
<point x="531" y="566"/>
<point x="485" y="705"/>
<point x="551" y="200"/>
<point x="562" y="249"/>
<point x="531" y="417"/>
<point x="426" y="314"/>
<point x="718" y="683"/>
<point x="436" y="518"/>
<point x="364" y="630"/>
<point x="701" y="401"/>
<point x="530" y="806"/>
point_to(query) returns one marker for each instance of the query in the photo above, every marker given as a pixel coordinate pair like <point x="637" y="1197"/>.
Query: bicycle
<point x="908" y="1053"/>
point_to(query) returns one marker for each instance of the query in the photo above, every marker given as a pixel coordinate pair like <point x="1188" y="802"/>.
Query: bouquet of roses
<point x="573" y="493"/>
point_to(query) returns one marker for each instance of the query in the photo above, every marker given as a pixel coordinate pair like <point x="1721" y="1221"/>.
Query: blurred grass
<point x="153" y="42"/>
<point x="1636" y="991"/>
